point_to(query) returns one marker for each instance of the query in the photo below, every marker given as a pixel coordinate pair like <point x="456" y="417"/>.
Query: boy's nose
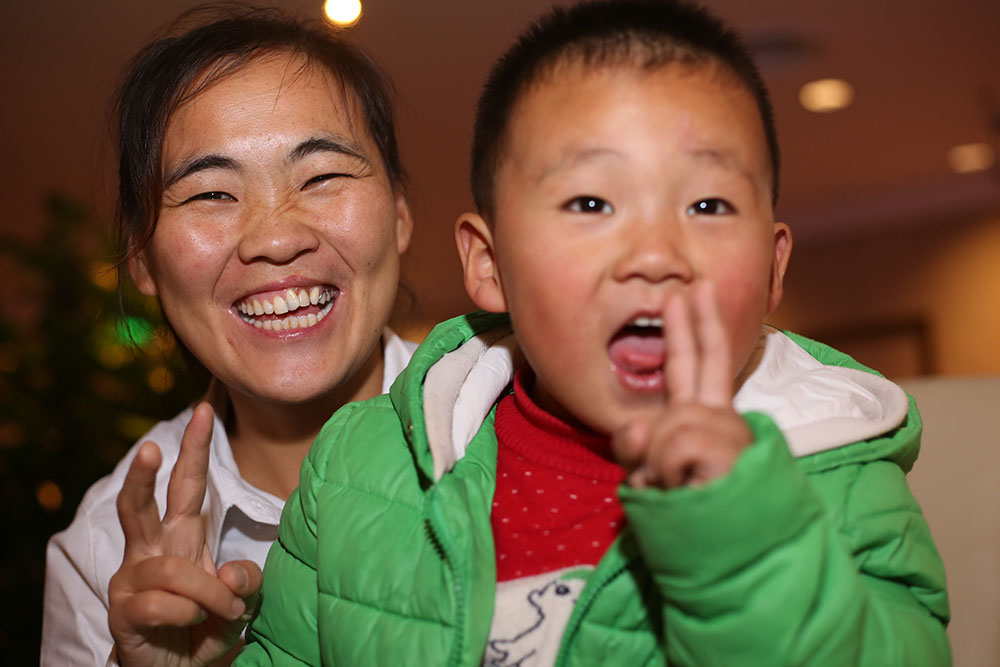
<point x="654" y="251"/>
<point x="277" y="237"/>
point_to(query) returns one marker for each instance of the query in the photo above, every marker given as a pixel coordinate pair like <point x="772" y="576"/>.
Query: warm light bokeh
<point x="343" y="12"/>
<point x="826" y="95"/>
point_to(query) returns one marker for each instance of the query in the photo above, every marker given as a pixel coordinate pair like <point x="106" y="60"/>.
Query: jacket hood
<point x="821" y="399"/>
<point x="817" y="406"/>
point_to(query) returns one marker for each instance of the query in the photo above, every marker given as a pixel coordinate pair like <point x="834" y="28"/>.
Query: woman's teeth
<point x="290" y="300"/>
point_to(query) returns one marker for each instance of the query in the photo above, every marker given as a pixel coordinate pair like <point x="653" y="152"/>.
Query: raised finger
<point x="136" y="503"/>
<point x="681" y="364"/>
<point x="715" y="382"/>
<point x="179" y="576"/>
<point x="188" y="479"/>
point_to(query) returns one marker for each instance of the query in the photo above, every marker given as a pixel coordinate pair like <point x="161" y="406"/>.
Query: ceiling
<point x="923" y="73"/>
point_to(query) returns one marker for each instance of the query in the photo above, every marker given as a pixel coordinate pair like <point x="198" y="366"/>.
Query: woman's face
<point x="276" y="252"/>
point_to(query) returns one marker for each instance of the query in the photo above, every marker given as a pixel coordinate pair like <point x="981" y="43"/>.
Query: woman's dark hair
<point x="205" y="45"/>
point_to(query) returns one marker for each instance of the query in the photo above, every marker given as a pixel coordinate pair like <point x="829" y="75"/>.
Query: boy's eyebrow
<point x="199" y="163"/>
<point x="722" y="158"/>
<point x="572" y="158"/>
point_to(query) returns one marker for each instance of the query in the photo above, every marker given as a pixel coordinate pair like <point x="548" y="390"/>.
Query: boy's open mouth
<point x="294" y="308"/>
<point x="637" y="354"/>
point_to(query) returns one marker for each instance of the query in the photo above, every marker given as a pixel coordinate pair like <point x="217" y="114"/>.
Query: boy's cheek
<point x="743" y="307"/>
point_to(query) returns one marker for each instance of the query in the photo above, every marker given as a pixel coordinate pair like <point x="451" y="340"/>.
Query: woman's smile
<point x="292" y="308"/>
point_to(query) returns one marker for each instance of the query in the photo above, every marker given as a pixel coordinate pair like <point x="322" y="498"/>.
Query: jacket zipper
<point x="581" y="607"/>
<point x="437" y="524"/>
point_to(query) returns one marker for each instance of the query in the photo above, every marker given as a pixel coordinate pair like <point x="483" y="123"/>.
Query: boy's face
<point x="618" y="187"/>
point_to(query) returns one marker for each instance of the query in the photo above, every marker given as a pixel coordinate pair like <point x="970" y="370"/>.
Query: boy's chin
<point x="616" y="416"/>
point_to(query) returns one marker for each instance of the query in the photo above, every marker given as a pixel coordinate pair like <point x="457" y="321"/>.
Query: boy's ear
<point x="782" y="251"/>
<point x="479" y="267"/>
<point x="404" y="224"/>
<point x="138" y="268"/>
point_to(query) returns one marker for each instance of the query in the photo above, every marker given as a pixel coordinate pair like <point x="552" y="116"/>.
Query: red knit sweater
<point x="556" y="504"/>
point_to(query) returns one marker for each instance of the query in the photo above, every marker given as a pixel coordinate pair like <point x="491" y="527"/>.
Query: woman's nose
<point x="654" y="250"/>
<point x="277" y="237"/>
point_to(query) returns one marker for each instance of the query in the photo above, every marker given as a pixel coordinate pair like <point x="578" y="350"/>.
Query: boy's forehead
<point x="582" y="87"/>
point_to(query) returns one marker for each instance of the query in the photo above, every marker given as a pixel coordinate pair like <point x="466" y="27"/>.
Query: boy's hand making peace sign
<point x="698" y="435"/>
<point x="169" y="604"/>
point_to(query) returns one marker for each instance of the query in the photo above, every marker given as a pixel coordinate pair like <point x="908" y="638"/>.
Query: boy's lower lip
<point x="642" y="382"/>
<point x="637" y="357"/>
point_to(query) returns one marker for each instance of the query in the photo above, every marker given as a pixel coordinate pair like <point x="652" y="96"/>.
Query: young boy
<point x="668" y="482"/>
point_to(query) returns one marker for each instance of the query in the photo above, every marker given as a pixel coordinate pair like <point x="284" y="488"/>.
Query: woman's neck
<point x="269" y="440"/>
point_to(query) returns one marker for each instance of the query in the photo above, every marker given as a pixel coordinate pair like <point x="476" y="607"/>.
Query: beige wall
<point x="958" y="477"/>
<point x="870" y="296"/>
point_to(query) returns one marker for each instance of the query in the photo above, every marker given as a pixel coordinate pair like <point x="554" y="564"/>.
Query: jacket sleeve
<point x="285" y="632"/>
<point x="769" y="565"/>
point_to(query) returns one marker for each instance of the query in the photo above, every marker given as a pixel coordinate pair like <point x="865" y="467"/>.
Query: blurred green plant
<point x="78" y="385"/>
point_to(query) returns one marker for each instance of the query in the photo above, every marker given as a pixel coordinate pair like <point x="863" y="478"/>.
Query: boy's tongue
<point x="635" y="352"/>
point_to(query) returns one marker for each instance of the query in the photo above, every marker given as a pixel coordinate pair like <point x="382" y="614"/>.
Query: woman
<point x="261" y="202"/>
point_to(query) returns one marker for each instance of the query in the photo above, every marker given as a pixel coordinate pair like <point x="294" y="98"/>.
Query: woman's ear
<point x="404" y="224"/>
<point x="782" y="251"/>
<point x="479" y="267"/>
<point x="138" y="268"/>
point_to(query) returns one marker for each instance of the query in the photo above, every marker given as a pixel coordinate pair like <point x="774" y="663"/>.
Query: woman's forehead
<point x="278" y="88"/>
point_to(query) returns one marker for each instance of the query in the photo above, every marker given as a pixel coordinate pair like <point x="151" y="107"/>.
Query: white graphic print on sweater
<point x="530" y="616"/>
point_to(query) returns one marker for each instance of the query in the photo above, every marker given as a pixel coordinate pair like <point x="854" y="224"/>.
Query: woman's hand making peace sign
<point x="169" y="603"/>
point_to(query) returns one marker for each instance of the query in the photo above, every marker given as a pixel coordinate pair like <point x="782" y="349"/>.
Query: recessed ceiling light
<point x="970" y="158"/>
<point x="826" y="95"/>
<point x="343" y="12"/>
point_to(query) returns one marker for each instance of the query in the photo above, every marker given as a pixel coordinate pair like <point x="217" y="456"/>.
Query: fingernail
<point x="238" y="608"/>
<point x="241" y="578"/>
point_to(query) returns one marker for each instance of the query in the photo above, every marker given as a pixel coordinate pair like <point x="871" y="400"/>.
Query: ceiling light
<point x="343" y="12"/>
<point x="970" y="158"/>
<point x="826" y="95"/>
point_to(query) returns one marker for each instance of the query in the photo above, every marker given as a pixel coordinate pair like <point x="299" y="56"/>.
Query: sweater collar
<point x="541" y="437"/>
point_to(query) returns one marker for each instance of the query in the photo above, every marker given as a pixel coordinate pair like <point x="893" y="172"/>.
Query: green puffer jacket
<point x="385" y="552"/>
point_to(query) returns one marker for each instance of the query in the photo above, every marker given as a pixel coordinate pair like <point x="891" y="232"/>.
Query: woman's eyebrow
<point x="333" y="144"/>
<point x="200" y="163"/>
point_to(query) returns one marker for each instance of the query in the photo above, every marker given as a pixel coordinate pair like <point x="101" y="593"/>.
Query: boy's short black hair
<point x="642" y="33"/>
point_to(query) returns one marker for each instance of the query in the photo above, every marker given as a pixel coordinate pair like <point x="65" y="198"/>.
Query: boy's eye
<point x="587" y="204"/>
<point x="210" y="196"/>
<point x="711" y="206"/>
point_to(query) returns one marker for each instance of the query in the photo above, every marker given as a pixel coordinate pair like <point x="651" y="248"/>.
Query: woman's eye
<point x="320" y="179"/>
<point x="587" y="204"/>
<point x="711" y="206"/>
<point x="210" y="196"/>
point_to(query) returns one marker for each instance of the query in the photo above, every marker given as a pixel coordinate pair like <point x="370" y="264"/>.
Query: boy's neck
<point x="752" y="363"/>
